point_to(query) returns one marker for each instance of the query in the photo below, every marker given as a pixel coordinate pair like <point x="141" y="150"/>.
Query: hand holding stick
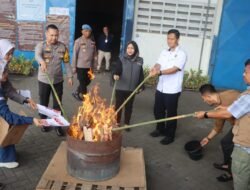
<point x="56" y="96"/>
<point x="113" y="93"/>
<point x="132" y="94"/>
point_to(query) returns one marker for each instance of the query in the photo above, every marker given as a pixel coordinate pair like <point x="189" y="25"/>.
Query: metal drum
<point x="93" y="161"/>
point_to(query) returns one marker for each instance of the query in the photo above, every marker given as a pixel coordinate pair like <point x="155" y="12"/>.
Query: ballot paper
<point x="25" y="93"/>
<point x="51" y="113"/>
<point x="55" y="119"/>
<point x="58" y="121"/>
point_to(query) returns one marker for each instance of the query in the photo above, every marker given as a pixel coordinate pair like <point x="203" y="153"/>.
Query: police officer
<point x="83" y="60"/>
<point x="170" y="68"/>
<point x="50" y="54"/>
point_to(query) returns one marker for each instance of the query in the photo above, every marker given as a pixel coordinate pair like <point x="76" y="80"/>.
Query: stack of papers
<point x="55" y="118"/>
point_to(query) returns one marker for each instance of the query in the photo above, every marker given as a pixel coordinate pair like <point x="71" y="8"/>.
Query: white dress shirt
<point x="171" y="83"/>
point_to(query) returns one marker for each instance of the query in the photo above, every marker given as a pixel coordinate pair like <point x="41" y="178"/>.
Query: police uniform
<point x="169" y="89"/>
<point x="82" y="62"/>
<point x="53" y="55"/>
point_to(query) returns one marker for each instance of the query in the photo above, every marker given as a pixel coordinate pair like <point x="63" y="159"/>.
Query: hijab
<point x="136" y="53"/>
<point x="5" y="47"/>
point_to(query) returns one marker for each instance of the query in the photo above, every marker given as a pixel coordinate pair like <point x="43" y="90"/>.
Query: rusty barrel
<point x="93" y="161"/>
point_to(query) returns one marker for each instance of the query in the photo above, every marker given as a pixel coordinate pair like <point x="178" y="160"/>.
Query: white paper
<point x="51" y="113"/>
<point x="58" y="11"/>
<point x="58" y="121"/>
<point x="25" y="93"/>
<point x="88" y="136"/>
<point x="31" y="10"/>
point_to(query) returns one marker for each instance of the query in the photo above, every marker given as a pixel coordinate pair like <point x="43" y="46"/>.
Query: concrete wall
<point x="151" y="44"/>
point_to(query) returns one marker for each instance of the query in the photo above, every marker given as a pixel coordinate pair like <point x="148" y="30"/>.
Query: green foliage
<point x="151" y="81"/>
<point x="21" y="65"/>
<point x="194" y="79"/>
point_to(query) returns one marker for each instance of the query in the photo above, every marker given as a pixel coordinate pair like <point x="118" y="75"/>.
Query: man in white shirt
<point x="170" y="68"/>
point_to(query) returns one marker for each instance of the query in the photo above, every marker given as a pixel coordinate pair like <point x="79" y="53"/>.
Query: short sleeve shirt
<point x="172" y="83"/>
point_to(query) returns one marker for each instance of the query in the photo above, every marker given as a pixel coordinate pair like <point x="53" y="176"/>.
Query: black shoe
<point x="167" y="140"/>
<point x="107" y="70"/>
<point x="156" y="133"/>
<point x="220" y="167"/>
<point x="224" y="178"/>
<point x="77" y="96"/>
<point x="45" y="129"/>
<point x="60" y="132"/>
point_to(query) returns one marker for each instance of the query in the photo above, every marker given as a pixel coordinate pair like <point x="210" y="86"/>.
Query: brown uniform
<point x="226" y="99"/>
<point x="53" y="56"/>
<point x="84" y="53"/>
<point x="82" y="62"/>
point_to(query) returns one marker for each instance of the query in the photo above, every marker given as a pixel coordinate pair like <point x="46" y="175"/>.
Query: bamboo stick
<point x="56" y="96"/>
<point x="113" y="93"/>
<point x="153" y="121"/>
<point x="132" y="94"/>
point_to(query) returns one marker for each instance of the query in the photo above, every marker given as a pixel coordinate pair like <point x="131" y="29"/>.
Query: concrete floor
<point x="167" y="167"/>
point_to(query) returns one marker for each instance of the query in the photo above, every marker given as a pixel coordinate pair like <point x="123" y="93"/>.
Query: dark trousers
<point x="44" y="94"/>
<point x="166" y="103"/>
<point x="227" y="147"/>
<point x="83" y="78"/>
<point x="121" y="96"/>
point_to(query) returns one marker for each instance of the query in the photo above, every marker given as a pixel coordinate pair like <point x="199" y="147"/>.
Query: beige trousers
<point x="101" y="55"/>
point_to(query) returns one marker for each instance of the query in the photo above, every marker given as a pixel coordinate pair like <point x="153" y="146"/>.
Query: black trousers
<point x="166" y="104"/>
<point x="44" y="94"/>
<point x="121" y="96"/>
<point x="83" y="78"/>
<point x="227" y="147"/>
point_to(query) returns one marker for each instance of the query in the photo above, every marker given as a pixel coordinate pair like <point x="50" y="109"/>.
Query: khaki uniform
<point x="82" y="62"/>
<point x="84" y="53"/>
<point x="53" y="55"/>
<point x="227" y="98"/>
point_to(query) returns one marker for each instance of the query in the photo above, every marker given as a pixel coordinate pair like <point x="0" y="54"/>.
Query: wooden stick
<point x="56" y="96"/>
<point x="132" y="94"/>
<point x="113" y="93"/>
<point x="153" y="121"/>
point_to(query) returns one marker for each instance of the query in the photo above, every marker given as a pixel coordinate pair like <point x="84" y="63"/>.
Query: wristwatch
<point x="205" y="115"/>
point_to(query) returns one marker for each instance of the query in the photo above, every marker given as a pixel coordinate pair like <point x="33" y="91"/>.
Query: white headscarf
<point x="5" y="47"/>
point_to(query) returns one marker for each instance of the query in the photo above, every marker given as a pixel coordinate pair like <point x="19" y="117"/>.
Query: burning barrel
<point x="93" y="150"/>
<point x="94" y="161"/>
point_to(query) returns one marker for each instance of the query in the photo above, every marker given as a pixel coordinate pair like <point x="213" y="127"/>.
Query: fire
<point x="94" y="120"/>
<point x="91" y="74"/>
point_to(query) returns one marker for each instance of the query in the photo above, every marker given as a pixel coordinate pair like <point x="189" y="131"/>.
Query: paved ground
<point x="167" y="167"/>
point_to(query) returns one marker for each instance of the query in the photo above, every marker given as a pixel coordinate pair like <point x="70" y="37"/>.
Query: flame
<point x="94" y="114"/>
<point x="91" y="74"/>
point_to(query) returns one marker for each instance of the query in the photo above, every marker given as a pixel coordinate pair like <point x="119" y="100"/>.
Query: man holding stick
<point x="240" y="109"/>
<point x="50" y="55"/>
<point x="225" y="98"/>
<point x="170" y="69"/>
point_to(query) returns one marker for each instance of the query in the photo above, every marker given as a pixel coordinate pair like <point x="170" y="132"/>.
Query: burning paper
<point x="93" y="116"/>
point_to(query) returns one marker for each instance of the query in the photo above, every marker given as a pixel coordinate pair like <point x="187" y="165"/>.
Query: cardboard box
<point x="10" y="134"/>
<point x="131" y="176"/>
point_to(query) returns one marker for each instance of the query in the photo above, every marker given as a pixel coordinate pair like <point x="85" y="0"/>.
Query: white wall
<point x="152" y="44"/>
